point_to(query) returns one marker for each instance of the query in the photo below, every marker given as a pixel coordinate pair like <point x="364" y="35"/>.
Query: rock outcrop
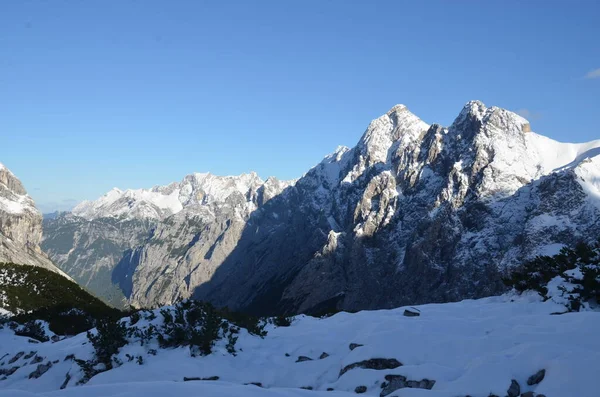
<point x="20" y="224"/>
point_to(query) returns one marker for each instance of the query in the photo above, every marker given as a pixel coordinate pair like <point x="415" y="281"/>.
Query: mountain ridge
<point x="414" y="213"/>
<point x="167" y="200"/>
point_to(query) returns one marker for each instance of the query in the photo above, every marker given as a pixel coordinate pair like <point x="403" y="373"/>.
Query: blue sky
<point x="97" y="94"/>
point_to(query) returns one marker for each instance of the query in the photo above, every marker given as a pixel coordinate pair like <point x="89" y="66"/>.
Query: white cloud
<point x="593" y="74"/>
<point x="528" y="114"/>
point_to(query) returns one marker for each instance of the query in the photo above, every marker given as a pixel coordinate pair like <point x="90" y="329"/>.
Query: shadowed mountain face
<point x="413" y="213"/>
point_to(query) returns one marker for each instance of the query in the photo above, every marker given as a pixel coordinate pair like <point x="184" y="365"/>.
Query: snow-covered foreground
<point x="469" y="348"/>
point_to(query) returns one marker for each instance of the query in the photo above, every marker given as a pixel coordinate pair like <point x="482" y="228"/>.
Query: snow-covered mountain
<point x="20" y="224"/>
<point x="500" y="346"/>
<point x="414" y="213"/>
<point x="179" y="225"/>
<point x="201" y="191"/>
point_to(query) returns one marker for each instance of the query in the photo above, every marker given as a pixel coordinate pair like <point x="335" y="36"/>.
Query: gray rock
<point x="303" y="358"/>
<point x="411" y="313"/>
<point x="323" y="355"/>
<point x="354" y="346"/>
<point x="16" y="357"/>
<point x="360" y="389"/>
<point x="537" y="377"/>
<point x="29" y="355"/>
<point x="40" y="370"/>
<point x="373" y="363"/>
<point x="188" y="379"/>
<point x="393" y="383"/>
<point x="426" y="384"/>
<point x="66" y="381"/>
<point x="9" y="371"/>
<point x="514" y="390"/>
<point x="528" y="394"/>
<point x="36" y="359"/>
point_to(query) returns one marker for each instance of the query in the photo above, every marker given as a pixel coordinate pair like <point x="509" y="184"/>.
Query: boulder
<point x="360" y="389"/>
<point x="354" y="345"/>
<point x="514" y="390"/>
<point x="303" y="358"/>
<point x="393" y="383"/>
<point x="536" y="378"/>
<point x="411" y="312"/>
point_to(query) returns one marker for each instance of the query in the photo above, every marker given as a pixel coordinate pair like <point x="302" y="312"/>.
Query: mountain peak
<point x="397" y="125"/>
<point x="477" y="115"/>
<point x="397" y="109"/>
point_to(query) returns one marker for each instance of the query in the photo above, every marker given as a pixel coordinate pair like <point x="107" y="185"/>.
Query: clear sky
<point x="98" y="94"/>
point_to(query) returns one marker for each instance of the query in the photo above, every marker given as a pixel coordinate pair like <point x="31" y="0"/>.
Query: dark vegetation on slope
<point x="34" y="293"/>
<point x="189" y="323"/>
<point x="578" y="266"/>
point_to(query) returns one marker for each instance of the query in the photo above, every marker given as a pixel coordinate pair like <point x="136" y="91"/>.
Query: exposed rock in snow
<point x="514" y="390"/>
<point x="40" y="370"/>
<point x="536" y="378"/>
<point x="470" y="348"/>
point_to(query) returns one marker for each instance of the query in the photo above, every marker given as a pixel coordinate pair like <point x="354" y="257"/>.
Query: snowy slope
<point x="474" y="347"/>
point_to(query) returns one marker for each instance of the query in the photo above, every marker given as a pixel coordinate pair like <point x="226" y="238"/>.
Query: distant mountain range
<point x="413" y="213"/>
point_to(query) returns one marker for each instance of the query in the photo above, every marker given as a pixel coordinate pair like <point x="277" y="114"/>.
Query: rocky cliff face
<point x="146" y="247"/>
<point x="20" y="224"/>
<point x="413" y="213"/>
